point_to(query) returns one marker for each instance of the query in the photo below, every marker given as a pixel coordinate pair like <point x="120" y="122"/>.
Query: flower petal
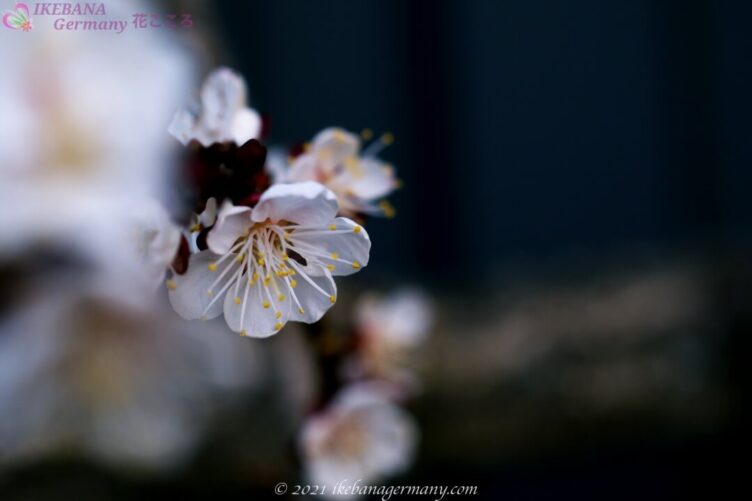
<point x="189" y="292"/>
<point x="182" y="126"/>
<point x="246" y="125"/>
<point x="345" y="243"/>
<point x="304" y="203"/>
<point x="232" y="222"/>
<point x="245" y="311"/>
<point x="222" y="96"/>
<point x="313" y="302"/>
<point x="334" y="145"/>
<point x="367" y="178"/>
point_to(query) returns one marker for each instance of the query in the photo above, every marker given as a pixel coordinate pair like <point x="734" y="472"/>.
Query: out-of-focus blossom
<point x="390" y="328"/>
<point x="273" y="263"/>
<point x="359" y="179"/>
<point x="221" y="116"/>
<point x="83" y="139"/>
<point x="81" y="375"/>
<point x="360" y="435"/>
<point x="152" y="240"/>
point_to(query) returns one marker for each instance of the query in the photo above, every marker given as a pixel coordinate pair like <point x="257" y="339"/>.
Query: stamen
<point x="171" y="284"/>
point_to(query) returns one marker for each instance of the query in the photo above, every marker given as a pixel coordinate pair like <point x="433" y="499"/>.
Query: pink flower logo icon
<point x="18" y="18"/>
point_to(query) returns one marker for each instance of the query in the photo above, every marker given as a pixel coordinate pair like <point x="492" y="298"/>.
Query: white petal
<point x="246" y="125"/>
<point x="232" y="222"/>
<point x="305" y="203"/>
<point x="367" y="178"/>
<point x="305" y="168"/>
<point x="181" y="127"/>
<point x="351" y="248"/>
<point x="402" y="318"/>
<point x="334" y="145"/>
<point x="209" y="215"/>
<point x="313" y="302"/>
<point x="222" y="95"/>
<point x="257" y="321"/>
<point x="189" y="296"/>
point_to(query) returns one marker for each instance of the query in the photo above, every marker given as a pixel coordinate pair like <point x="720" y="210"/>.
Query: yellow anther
<point x="240" y="258"/>
<point x="301" y="310"/>
<point x="244" y="333"/>
<point x="261" y="261"/>
<point x="251" y="282"/>
<point x="278" y="314"/>
<point x="281" y="297"/>
<point x="387" y="138"/>
<point x="210" y="292"/>
<point x="293" y="283"/>
<point x="385" y="206"/>
<point x="332" y="299"/>
<point x="171" y="284"/>
<point x="284" y="256"/>
<point x="356" y="265"/>
<point x="278" y="326"/>
<point x="237" y="300"/>
<point x="332" y="226"/>
<point x="212" y="266"/>
<point x="335" y="255"/>
<point x="255" y="276"/>
<point x="357" y="229"/>
<point x="266" y="304"/>
<point x="267" y="280"/>
<point x="366" y="134"/>
<point x="330" y="267"/>
<point x="196" y="227"/>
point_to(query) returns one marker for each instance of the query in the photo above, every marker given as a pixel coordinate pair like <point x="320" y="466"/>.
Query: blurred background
<point x="575" y="201"/>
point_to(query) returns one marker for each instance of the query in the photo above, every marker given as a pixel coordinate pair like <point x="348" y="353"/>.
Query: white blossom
<point x="359" y="179"/>
<point x="360" y="435"/>
<point x="390" y="328"/>
<point x="273" y="263"/>
<point x="221" y="116"/>
<point x="81" y="375"/>
<point x="83" y="141"/>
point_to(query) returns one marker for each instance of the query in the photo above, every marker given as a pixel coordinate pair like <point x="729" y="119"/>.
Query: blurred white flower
<point x="152" y="240"/>
<point x="221" y="116"/>
<point x="359" y="179"/>
<point x="254" y="254"/>
<point x="390" y="329"/>
<point x="81" y="375"/>
<point x="360" y="435"/>
<point x="83" y="139"/>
